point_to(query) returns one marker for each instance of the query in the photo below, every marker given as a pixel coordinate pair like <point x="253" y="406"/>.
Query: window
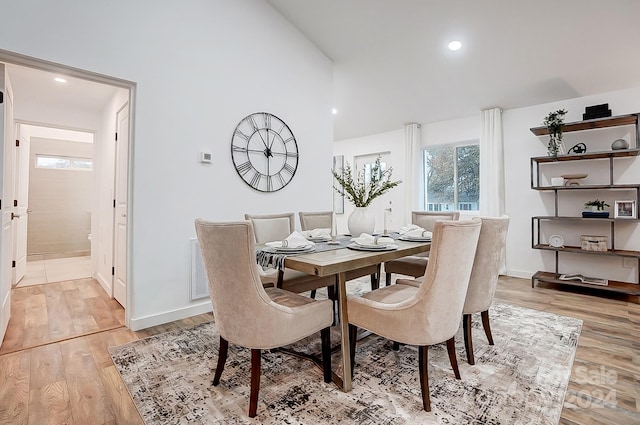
<point x="63" y="162"/>
<point x="452" y="178"/>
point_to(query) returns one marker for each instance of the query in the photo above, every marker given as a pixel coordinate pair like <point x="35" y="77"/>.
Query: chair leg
<point x="325" y="336"/>
<point x="313" y="294"/>
<point x="468" y="340"/>
<point x="451" y="349"/>
<point x="486" y="326"/>
<point x="222" y="358"/>
<point x="396" y="346"/>
<point x="353" y="336"/>
<point x="375" y="284"/>
<point x="387" y="279"/>
<point x="255" y="382"/>
<point x="423" y="352"/>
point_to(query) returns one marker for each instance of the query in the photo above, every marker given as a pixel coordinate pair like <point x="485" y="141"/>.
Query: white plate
<point x="319" y="239"/>
<point x="372" y="248"/>
<point x="414" y="239"/>
<point x="294" y="248"/>
<point x="556" y="241"/>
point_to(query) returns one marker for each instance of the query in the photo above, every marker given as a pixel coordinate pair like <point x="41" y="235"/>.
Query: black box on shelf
<point x="596" y="111"/>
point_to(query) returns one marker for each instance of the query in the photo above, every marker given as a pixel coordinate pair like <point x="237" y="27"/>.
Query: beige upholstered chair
<point x="275" y="227"/>
<point x="414" y="265"/>
<point x="316" y="220"/>
<point x="484" y="277"/>
<point x="245" y="312"/>
<point x="427" y="314"/>
<point x="324" y="220"/>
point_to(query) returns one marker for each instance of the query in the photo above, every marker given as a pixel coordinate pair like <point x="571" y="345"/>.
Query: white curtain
<point x="412" y="168"/>
<point x="492" y="167"/>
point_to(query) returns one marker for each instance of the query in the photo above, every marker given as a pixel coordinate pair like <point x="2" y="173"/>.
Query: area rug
<point x="522" y="379"/>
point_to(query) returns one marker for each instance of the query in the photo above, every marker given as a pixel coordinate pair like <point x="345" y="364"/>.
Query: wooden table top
<point x="328" y="263"/>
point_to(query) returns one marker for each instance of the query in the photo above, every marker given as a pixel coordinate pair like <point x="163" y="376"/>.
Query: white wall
<point x="200" y="67"/>
<point x="432" y="134"/>
<point x="521" y="201"/>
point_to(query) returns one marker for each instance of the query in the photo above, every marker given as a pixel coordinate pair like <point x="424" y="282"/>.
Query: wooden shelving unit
<point x="628" y="288"/>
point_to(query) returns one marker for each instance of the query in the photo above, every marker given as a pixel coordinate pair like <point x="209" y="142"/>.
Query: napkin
<point x="418" y="233"/>
<point x="366" y="239"/>
<point x="317" y="233"/>
<point x="294" y="240"/>
<point x="408" y="228"/>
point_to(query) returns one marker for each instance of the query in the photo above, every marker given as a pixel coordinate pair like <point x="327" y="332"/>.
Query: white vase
<point x="361" y="221"/>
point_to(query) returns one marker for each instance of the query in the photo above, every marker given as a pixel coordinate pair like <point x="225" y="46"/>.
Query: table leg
<point x="344" y="327"/>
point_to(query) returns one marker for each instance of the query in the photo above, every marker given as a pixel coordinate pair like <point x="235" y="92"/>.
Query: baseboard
<point x="519" y="273"/>
<point x="106" y="285"/>
<point x="136" y="324"/>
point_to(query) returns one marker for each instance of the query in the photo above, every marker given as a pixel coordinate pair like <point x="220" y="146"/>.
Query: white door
<point x="20" y="208"/>
<point x="384" y="202"/>
<point x="6" y="197"/>
<point x="120" y="220"/>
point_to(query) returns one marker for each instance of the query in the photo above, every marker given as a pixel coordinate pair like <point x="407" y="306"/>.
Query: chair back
<point x="272" y="227"/>
<point x="426" y="219"/>
<point x="243" y="312"/>
<point x="486" y="266"/>
<point x="442" y="293"/>
<point x="316" y="220"/>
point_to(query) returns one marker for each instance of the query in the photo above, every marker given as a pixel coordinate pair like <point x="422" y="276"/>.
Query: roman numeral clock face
<point x="264" y="152"/>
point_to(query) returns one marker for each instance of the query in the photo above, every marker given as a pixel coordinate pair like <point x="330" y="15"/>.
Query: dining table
<point x="339" y="262"/>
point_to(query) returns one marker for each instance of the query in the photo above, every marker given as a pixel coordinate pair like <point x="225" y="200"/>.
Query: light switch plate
<point x="205" y="157"/>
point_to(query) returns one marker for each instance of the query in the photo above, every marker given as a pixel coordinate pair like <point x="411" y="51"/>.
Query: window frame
<point x="70" y="160"/>
<point x="423" y="170"/>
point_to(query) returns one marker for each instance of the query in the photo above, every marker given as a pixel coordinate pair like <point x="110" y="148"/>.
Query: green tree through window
<point x="452" y="178"/>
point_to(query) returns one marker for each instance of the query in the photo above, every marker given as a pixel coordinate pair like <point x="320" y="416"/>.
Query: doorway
<point x="56" y="167"/>
<point x="73" y="107"/>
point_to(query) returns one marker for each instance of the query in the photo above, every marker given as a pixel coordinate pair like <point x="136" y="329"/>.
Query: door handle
<point x="14" y="215"/>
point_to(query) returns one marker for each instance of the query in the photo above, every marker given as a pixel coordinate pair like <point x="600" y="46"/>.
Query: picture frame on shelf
<point x="625" y="209"/>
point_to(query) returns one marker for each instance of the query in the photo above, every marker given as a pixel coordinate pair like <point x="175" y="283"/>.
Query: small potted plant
<point x="554" y="122"/>
<point x="596" y="209"/>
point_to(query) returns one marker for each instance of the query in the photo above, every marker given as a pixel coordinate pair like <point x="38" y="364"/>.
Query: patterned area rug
<point x="520" y="380"/>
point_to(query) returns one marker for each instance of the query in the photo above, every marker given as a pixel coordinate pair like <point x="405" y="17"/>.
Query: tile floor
<point x="55" y="270"/>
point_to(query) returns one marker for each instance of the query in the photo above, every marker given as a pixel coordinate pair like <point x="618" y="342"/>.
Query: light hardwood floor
<point x="73" y="381"/>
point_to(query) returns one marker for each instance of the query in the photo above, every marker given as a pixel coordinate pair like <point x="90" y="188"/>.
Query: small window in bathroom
<point x="63" y="162"/>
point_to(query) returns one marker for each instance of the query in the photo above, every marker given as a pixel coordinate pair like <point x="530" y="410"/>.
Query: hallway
<point x="44" y="269"/>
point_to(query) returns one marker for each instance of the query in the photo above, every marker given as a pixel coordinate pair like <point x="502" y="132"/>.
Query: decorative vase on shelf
<point x="361" y="221"/>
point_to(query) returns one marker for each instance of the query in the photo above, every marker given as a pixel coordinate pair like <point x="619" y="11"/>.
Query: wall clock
<point x="264" y="152"/>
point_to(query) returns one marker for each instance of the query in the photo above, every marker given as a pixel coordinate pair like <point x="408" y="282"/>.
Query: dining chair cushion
<point x="411" y="265"/>
<point x="411" y="282"/>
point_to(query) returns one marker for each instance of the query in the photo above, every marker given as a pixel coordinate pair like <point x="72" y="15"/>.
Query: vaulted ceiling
<point x="392" y="64"/>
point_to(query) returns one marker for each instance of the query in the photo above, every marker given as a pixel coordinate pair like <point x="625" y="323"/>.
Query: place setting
<point x="317" y="235"/>
<point x="367" y="242"/>
<point x="413" y="233"/>
<point x="295" y="243"/>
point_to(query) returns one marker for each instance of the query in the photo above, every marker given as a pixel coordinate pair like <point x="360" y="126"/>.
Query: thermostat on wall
<point x="205" y="157"/>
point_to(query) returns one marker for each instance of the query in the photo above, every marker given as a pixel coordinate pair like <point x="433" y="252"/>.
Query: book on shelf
<point x="585" y="279"/>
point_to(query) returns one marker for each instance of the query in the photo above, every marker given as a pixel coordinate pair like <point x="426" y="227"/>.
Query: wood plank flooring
<point x="73" y="381"/>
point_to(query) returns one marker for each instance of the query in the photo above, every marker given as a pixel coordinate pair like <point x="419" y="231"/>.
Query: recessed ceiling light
<point x="60" y="80"/>
<point x="455" y="45"/>
<point x="334" y="111"/>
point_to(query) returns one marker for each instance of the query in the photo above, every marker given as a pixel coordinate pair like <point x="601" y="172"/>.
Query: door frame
<point x="47" y="66"/>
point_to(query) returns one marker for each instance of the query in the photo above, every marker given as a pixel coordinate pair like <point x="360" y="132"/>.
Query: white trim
<point x="519" y="273"/>
<point x="104" y="283"/>
<point x="136" y="324"/>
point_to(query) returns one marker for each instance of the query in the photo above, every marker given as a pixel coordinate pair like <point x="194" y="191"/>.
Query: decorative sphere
<point x="619" y="144"/>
